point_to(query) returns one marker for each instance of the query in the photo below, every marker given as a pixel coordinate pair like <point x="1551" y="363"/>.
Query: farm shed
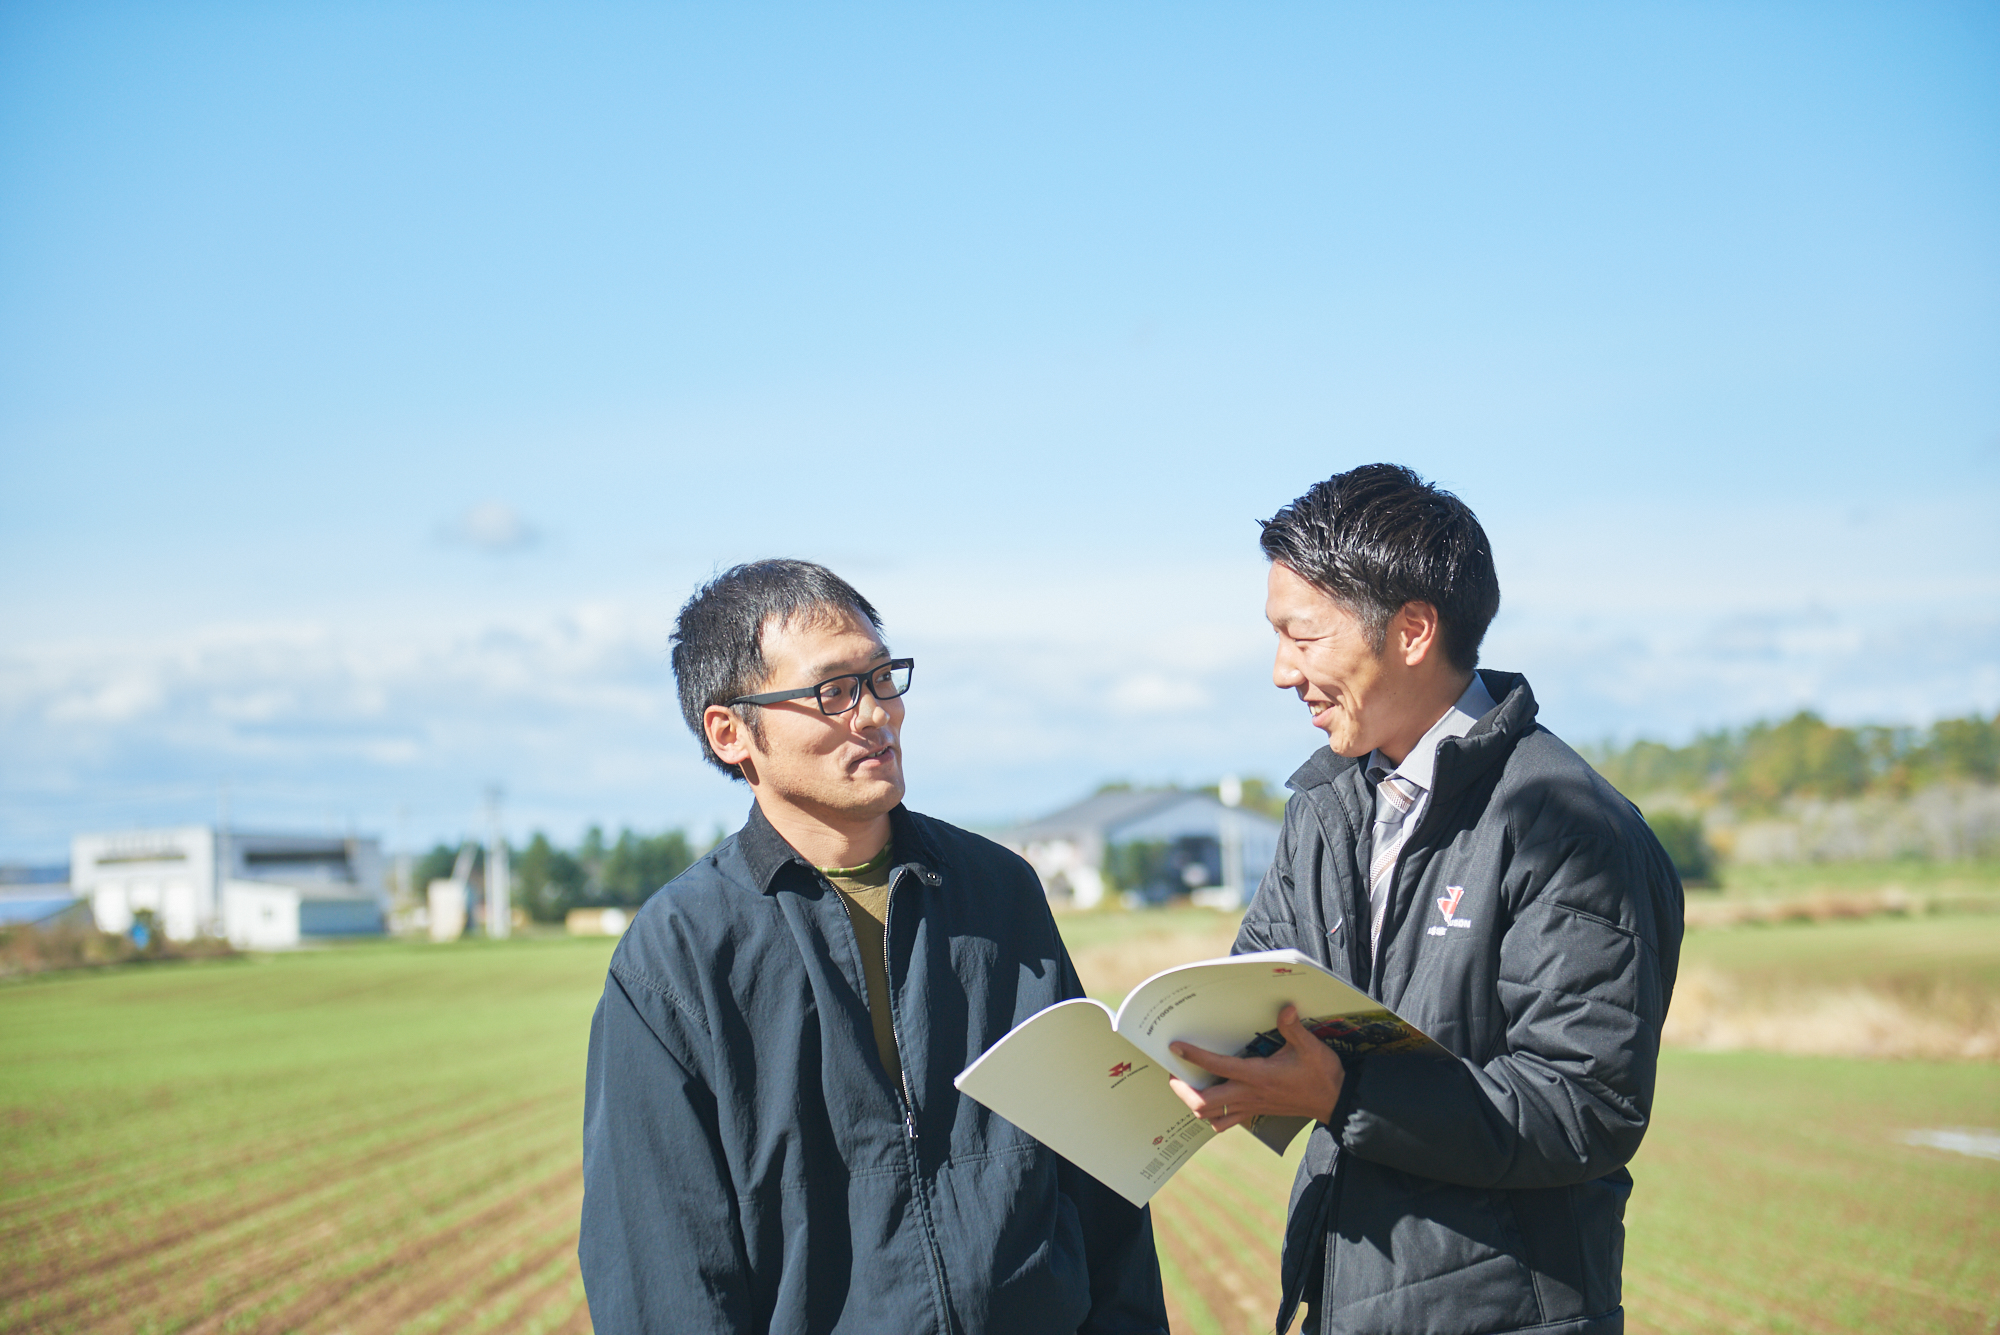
<point x="1218" y="853"/>
<point x="263" y="891"/>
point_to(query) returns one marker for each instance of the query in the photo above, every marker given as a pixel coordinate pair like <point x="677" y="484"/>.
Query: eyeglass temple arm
<point x="775" y="697"/>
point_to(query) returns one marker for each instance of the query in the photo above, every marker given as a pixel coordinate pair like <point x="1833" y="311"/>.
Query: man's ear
<point x="728" y="735"/>
<point x="1414" y="632"/>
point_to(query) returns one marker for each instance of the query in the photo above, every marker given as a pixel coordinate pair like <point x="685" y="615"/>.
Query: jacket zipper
<point x="908" y="1098"/>
<point x="1359" y="965"/>
<point x="904" y="1097"/>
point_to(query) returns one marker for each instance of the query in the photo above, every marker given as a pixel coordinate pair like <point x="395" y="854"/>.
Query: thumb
<point x="1292" y="1027"/>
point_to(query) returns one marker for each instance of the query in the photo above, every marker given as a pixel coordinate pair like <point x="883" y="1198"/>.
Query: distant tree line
<point x="547" y="881"/>
<point x="1757" y="767"/>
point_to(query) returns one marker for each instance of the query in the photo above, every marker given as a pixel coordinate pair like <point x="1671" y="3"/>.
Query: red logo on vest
<point x="1448" y="906"/>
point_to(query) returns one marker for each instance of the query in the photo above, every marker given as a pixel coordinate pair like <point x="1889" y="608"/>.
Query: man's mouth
<point x="877" y="757"/>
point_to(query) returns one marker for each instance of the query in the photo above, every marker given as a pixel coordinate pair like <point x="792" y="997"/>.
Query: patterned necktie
<point x="1395" y="798"/>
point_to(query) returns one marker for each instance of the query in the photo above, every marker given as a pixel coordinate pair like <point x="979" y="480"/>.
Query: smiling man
<point x="1447" y="855"/>
<point x="772" y="1141"/>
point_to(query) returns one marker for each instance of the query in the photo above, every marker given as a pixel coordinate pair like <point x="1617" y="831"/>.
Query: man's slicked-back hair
<point x="718" y="641"/>
<point x="1378" y="536"/>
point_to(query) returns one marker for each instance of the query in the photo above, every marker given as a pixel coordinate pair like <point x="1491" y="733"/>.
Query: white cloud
<point x="1152" y="693"/>
<point x="118" y="698"/>
<point x="494" y="527"/>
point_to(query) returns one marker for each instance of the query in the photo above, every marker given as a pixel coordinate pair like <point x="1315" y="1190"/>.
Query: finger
<point x="1210" y="1102"/>
<point x="1292" y="1027"/>
<point x="1213" y="1062"/>
<point x="1187" y="1094"/>
<point x="1305" y="1043"/>
<point x="1234" y="1118"/>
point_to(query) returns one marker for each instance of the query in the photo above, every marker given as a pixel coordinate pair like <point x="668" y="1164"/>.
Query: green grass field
<point x="385" y="1138"/>
<point x="1780" y="880"/>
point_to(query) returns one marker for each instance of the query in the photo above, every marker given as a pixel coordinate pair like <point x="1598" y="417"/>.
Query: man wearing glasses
<point x="771" y="1138"/>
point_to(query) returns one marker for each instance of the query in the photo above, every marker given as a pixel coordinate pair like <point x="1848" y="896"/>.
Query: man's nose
<point x="871" y="713"/>
<point x="1285" y="674"/>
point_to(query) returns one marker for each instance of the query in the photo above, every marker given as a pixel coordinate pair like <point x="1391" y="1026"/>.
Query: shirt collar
<point x="767" y="853"/>
<point x="1420" y="766"/>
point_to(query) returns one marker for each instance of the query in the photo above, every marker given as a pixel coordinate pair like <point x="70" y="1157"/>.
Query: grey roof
<point x="1097" y="813"/>
<point x="38" y="907"/>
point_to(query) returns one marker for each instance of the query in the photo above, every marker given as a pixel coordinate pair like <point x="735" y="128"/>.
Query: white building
<point x="1218" y="853"/>
<point x="262" y="891"/>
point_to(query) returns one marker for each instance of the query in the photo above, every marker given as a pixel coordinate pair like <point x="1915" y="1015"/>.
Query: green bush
<point x="1682" y="838"/>
<point x="1135" y="866"/>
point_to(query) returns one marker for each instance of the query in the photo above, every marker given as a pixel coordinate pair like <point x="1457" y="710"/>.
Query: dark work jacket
<point x="1533" y="929"/>
<point x="748" y="1164"/>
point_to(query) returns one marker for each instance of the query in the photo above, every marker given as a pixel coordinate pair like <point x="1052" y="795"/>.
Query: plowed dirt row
<point x="494" y="1303"/>
<point x="212" y="1244"/>
<point x="1179" y="1239"/>
<point x="1219" y="1222"/>
<point x="555" y="1303"/>
<point x="130" y="1174"/>
<point x="432" y="1268"/>
<point x="1186" y="1312"/>
<point x="193" y="1232"/>
<point x="1236" y="1262"/>
<point x="1672" y="1303"/>
<point x="333" y="1261"/>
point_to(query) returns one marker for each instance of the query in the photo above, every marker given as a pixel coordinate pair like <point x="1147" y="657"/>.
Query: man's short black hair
<point x="718" y="640"/>
<point x="1378" y="536"/>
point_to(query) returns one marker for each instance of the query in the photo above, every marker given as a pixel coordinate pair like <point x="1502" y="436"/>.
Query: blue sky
<point x="375" y="380"/>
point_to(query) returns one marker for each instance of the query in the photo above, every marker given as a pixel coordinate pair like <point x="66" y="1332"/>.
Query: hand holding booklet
<point x="1092" y="1085"/>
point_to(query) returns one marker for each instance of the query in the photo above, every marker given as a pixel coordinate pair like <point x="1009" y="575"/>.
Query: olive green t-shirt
<point x="865" y="889"/>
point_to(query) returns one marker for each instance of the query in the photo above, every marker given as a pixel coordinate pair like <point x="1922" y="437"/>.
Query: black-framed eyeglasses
<point x="837" y="695"/>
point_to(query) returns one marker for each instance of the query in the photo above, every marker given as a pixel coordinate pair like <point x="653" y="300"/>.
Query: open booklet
<point x="1092" y="1085"/>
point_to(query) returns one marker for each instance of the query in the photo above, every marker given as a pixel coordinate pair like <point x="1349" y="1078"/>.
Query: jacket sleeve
<point x="1581" y="985"/>
<point x="661" y="1244"/>
<point x="1126" y="1297"/>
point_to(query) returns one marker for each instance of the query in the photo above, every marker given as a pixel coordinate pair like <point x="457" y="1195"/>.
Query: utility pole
<point x="499" y="893"/>
<point x="1230" y="790"/>
<point x="224" y="855"/>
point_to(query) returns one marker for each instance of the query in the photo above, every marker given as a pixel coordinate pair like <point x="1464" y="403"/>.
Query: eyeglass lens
<point x="843" y="693"/>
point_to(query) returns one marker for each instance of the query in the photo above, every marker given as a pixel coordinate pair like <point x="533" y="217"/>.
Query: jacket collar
<point x="1460" y="759"/>
<point x="767" y="853"/>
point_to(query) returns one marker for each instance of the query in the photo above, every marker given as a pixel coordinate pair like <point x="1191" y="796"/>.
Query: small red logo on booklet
<point x="1282" y="968"/>
<point x="1121" y="1068"/>
<point x="1158" y="1139"/>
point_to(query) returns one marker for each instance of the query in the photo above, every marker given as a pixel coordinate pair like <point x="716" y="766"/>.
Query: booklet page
<point x="1066" y="1079"/>
<point x="1221" y="1005"/>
